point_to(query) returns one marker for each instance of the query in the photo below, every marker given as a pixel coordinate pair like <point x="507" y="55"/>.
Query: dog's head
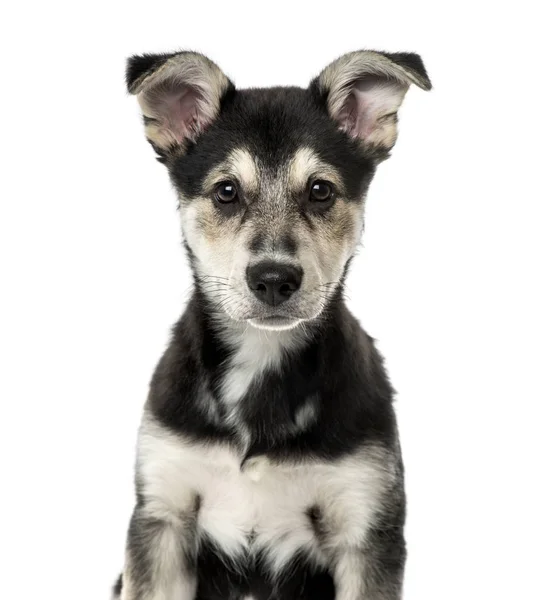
<point x="272" y="182"/>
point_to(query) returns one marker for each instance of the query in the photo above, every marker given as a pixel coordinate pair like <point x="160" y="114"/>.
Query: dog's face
<point x="272" y="182"/>
<point x="271" y="201"/>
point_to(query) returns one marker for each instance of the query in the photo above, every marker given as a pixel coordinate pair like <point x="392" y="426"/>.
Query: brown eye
<point x="226" y="192"/>
<point x="321" y="191"/>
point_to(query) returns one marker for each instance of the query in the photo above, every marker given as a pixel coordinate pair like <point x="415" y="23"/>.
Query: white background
<point x="455" y="278"/>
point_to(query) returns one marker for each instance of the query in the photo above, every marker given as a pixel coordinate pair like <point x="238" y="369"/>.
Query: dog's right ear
<point x="179" y="94"/>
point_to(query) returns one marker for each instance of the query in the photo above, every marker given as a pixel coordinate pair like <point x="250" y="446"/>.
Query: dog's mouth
<point x="275" y="322"/>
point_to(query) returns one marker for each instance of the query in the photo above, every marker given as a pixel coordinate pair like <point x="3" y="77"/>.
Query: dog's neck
<point x="265" y="390"/>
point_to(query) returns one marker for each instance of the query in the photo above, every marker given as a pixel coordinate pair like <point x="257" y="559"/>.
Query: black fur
<point x="412" y="62"/>
<point x="341" y="361"/>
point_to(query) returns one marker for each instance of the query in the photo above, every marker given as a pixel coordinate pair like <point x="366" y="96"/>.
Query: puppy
<point x="268" y="461"/>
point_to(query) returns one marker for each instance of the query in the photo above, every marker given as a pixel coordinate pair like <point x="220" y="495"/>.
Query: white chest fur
<point x="262" y="506"/>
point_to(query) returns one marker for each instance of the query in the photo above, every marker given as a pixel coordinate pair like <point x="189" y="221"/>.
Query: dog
<point x="268" y="459"/>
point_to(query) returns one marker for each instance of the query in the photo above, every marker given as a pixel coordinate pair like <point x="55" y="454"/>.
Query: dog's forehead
<point x="263" y="133"/>
<point x="275" y="121"/>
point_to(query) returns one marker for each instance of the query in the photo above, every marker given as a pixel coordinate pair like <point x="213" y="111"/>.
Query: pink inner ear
<point x="369" y="99"/>
<point x="347" y="116"/>
<point x="183" y="114"/>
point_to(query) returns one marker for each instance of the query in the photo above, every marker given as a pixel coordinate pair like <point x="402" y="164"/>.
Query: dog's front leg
<point x="160" y="560"/>
<point x="373" y="572"/>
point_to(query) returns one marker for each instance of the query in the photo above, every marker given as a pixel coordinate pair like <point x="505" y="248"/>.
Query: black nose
<point x="273" y="283"/>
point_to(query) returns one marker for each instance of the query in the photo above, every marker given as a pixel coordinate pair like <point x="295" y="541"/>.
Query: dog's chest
<point x="277" y="509"/>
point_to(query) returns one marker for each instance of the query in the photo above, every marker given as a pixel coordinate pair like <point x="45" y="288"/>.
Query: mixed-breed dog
<point x="268" y="459"/>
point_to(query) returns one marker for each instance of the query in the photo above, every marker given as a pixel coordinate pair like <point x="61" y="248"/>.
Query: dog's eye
<point x="321" y="191"/>
<point x="226" y="192"/>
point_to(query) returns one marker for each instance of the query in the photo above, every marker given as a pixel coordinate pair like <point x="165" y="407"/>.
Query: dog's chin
<point x="275" y="323"/>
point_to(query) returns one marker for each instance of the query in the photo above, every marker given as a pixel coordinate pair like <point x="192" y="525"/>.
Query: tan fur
<point x="306" y="164"/>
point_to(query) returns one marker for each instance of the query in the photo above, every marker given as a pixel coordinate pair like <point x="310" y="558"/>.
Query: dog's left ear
<point x="364" y="90"/>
